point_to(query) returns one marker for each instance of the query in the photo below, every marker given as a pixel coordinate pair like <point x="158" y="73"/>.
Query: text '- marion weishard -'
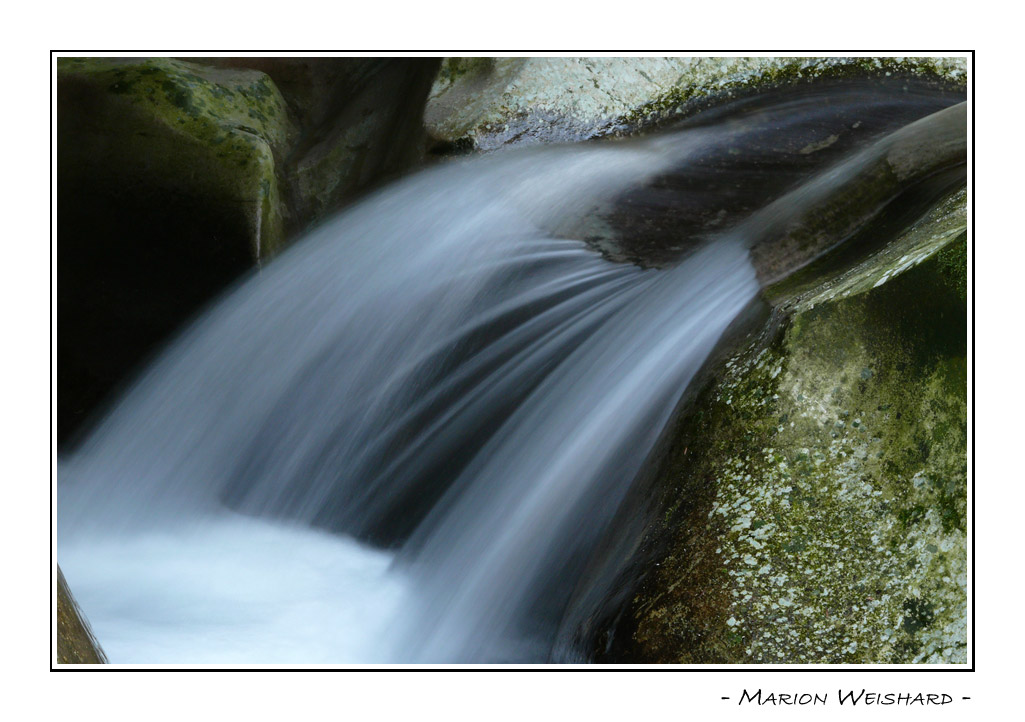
<point x="852" y="698"/>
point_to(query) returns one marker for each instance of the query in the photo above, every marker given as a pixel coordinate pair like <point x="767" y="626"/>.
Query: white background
<point x="29" y="33"/>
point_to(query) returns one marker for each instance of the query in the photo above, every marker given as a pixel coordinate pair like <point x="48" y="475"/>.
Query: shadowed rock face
<point x="360" y="123"/>
<point x="176" y="177"/>
<point x="75" y="641"/>
<point x="166" y="190"/>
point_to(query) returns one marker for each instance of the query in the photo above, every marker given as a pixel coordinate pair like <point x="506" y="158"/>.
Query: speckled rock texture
<point x="815" y="499"/>
<point x="487" y="103"/>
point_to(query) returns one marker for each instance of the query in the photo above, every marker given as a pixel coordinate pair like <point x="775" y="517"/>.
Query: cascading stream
<point x="401" y="441"/>
<point x="547" y="484"/>
<point x="432" y="370"/>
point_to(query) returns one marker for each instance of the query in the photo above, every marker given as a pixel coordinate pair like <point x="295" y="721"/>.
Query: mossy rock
<point x="180" y="128"/>
<point x="176" y="177"/>
<point x="360" y="122"/>
<point x="815" y="496"/>
<point x="167" y="190"/>
<point x="486" y="103"/>
<point x="75" y="641"/>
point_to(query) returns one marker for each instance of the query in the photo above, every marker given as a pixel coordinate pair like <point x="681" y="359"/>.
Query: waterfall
<point x="442" y="371"/>
<point x="402" y="440"/>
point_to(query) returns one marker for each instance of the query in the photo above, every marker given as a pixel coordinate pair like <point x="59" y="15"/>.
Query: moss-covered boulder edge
<point x="175" y="177"/>
<point x="486" y="103"/>
<point x="815" y="497"/>
<point x="188" y="129"/>
<point x="220" y="129"/>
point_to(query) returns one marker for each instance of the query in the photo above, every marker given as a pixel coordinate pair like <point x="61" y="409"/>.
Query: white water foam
<point x="230" y="589"/>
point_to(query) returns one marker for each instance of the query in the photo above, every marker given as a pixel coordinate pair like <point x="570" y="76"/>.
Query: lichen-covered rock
<point x="816" y="495"/>
<point x="75" y="641"/>
<point x="485" y="103"/>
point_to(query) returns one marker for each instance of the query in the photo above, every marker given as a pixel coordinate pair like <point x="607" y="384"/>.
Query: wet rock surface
<point x="760" y="181"/>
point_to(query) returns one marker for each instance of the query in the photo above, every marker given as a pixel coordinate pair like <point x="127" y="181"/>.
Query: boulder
<point x="487" y="103"/>
<point x="170" y="128"/>
<point x="814" y="497"/>
<point x="168" y="187"/>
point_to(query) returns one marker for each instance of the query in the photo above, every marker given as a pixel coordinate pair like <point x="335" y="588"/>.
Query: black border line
<point x="753" y="669"/>
<point x="973" y="357"/>
<point x="53" y="369"/>
<point x="443" y="52"/>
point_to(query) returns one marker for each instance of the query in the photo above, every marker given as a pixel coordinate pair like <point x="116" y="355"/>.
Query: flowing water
<point x="400" y="441"/>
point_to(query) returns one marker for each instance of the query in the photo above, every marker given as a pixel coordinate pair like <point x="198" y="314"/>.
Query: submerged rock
<point x="799" y="168"/>
<point x="806" y="223"/>
<point x="815" y="497"/>
<point x="486" y="103"/>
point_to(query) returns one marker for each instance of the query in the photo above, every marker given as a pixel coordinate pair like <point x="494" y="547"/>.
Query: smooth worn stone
<point x="486" y="103"/>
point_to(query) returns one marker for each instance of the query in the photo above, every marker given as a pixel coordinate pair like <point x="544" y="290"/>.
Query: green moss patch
<point x="181" y="128"/>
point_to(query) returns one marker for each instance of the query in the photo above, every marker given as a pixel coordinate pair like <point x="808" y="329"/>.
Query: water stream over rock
<point x="402" y="440"/>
